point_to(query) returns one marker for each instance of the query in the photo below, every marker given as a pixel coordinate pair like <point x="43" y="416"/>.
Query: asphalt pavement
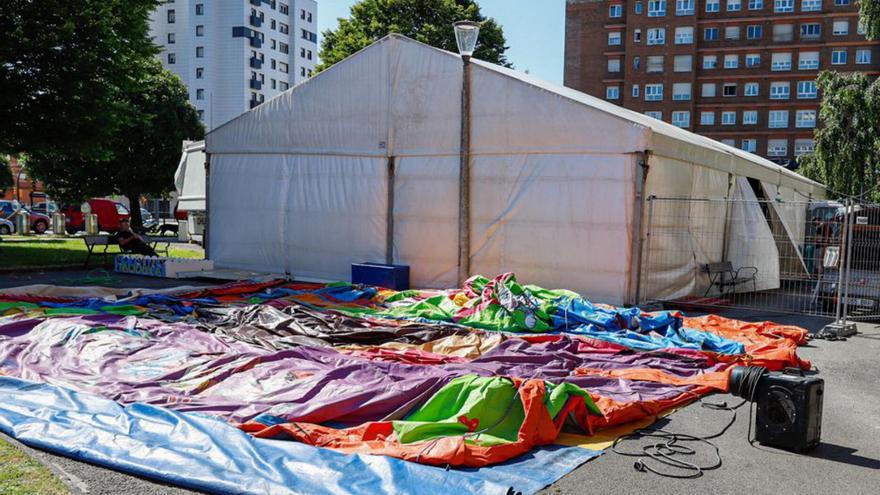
<point x="847" y="461"/>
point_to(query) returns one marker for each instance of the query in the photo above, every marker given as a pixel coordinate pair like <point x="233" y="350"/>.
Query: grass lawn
<point x="21" y="475"/>
<point x="19" y="251"/>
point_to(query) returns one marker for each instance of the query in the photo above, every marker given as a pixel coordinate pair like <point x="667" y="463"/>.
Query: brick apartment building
<point x="739" y="71"/>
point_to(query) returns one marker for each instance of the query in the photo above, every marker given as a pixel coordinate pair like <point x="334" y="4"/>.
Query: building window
<point x="753" y="60"/>
<point x="729" y="142"/>
<point x="841" y="2"/>
<point x="200" y="94"/>
<point x="274" y="84"/>
<point x="808" y="60"/>
<point x="755" y="32"/>
<point x="656" y="8"/>
<point x="840" y="28"/>
<point x="309" y="54"/>
<point x="612" y="92"/>
<point x="681" y="91"/>
<point x="811" y="5"/>
<point x="780" y="90"/>
<point x="283" y="86"/>
<point x="863" y="56"/>
<point x="654" y="64"/>
<point x="615" y="10"/>
<point x="302" y="71"/>
<point x="684" y="7"/>
<point x="734" y="5"/>
<point x="710" y="61"/>
<point x="731" y="33"/>
<point x="778" y="119"/>
<point x="783" y="6"/>
<point x="707" y="118"/>
<point x="284" y="9"/>
<point x="811" y="31"/>
<point x="684" y="35"/>
<point x="728" y="118"/>
<point x="783" y="32"/>
<point x="283" y="28"/>
<point x="756" y="4"/>
<point x="749" y="145"/>
<point x="806" y="90"/>
<point x="729" y="89"/>
<point x="777" y="147"/>
<point x="200" y="30"/>
<point x="750" y="117"/>
<point x="635" y="91"/>
<point x="654" y="114"/>
<point x="200" y="72"/>
<point x="637" y="36"/>
<point x="170" y="38"/>
<point x="201" y="115"/>
<point x="613" y="39"/>
<point x="803" y="146"/>
<point x="283" y="47"/>
<point x="637" y="62"/>
<point x="710" y="34"/>
<point x="751" y="89"/>
<point x="200" y="9"/>
<point x="283" y="67"/>
<point x="613" y="65"/>
<point x="838" y="57"/>
<point x="731" y="61"/>
<point x="653" y="92"/>
<point x="780" y="61"/>
<point x="302" y="53"/>
<point x="171" y="16"/>
<point x="683" y="63"/>
<point x="200" y="52"/>
<point x="638" y="8"/>
<point x="681" y="118"/>
<point x="657" y="36"/>
<point x="708" y="90"/>
<point x="713" y="5"/>
<point x="805" y="119"/>
<point x="172" y="58"/>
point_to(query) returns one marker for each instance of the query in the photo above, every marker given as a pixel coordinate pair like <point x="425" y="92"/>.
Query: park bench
<point x="723" y="276"/>
<point x="94" y="241"/>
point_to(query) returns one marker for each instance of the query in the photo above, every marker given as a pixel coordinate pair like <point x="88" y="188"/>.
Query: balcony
<point x="256" y="2"/>
<point x="256" y="84"/>
<point x="256" y="63"/>
<point x="256" y="21"/>
<point x="255" y="42"/>
<point x="254" y="102"/>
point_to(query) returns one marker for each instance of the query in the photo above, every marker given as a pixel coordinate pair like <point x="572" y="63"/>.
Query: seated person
<point x="129" y="241"/>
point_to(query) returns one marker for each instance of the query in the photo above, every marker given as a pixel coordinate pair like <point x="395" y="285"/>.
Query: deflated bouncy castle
<point x="275" y="386"/>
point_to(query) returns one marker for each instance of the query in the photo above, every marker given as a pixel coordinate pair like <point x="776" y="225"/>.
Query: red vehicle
<point x="109" y="214"/>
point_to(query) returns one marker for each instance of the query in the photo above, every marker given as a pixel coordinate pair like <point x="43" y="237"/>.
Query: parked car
<point x="47" y="208"/>
<point x="109" y="214"/>
<point x="6" y="227"/>
<point x="39" y="222"/>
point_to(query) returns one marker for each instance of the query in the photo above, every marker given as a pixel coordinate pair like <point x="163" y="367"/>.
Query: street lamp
<point x="466" y="34"/>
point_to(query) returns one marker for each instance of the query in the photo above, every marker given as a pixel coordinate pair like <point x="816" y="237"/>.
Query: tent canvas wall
<point x="361" y="163"/>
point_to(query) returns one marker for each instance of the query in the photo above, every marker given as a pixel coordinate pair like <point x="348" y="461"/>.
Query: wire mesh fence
<point x="762" y="254"/>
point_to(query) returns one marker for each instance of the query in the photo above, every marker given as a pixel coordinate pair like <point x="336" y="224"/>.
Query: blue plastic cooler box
<point x="388" y="276"/>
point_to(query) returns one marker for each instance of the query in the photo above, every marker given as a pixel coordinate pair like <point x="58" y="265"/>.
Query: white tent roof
<point x="401" y="97"/>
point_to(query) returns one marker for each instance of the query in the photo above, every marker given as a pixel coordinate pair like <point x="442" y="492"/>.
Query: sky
<point x="535" y="36"/>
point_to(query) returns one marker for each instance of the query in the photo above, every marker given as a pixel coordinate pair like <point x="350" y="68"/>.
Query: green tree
<point x="141" y="156"/>
<point x="847" y="151"/>
<point x="6" y="179"/>
<point x="428" y="21"/>
<point x="63" y="64"/>
<point x="869" y="17"/>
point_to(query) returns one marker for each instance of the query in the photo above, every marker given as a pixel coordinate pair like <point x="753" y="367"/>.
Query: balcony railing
<point x="256" y="63"/>
<point x="256" y="84"/>
<point x="256" y="21"/>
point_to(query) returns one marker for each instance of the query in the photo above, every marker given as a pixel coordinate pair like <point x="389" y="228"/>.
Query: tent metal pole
<point x="464" y="177"/>
<point x="389" y="216"/>
<point x="207" y="232"/>
<point x="642" y="168"/>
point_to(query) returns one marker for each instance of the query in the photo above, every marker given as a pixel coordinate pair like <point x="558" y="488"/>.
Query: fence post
<point x="849" y="244"/>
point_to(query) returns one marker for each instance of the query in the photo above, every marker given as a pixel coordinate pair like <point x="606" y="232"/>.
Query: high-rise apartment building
<point x="739" y="71"/>
<point x="234" y="54"/>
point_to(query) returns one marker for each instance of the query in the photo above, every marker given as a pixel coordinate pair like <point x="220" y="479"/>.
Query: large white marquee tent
<point x="361" y="163"/>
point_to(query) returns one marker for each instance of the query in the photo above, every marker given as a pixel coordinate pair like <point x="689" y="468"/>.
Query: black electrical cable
<point x="743" y="383"/>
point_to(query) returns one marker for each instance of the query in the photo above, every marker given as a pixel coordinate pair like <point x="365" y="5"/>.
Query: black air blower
<point x="789" y="405"/>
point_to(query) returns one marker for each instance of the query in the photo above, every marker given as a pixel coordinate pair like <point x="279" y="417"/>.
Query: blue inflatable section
<point x="204" y="453"/>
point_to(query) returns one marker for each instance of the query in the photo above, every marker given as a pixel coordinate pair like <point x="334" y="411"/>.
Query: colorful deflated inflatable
<point x="469" y="377"/>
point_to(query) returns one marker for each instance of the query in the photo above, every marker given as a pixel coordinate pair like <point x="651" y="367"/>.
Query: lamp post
<point x="466" y="34"/>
